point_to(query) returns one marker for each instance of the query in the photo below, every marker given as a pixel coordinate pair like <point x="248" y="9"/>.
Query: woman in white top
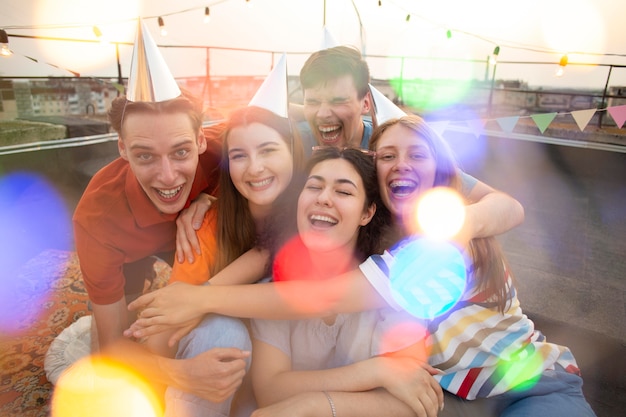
<point x="299" y="366"/>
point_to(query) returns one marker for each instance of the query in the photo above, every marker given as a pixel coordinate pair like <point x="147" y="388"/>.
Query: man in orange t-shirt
<point x="127" y="214"/>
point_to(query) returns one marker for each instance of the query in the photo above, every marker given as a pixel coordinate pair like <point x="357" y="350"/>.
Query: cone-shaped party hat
<point x="150" y="79"/>
<point x="272" y="94"/>
<point x="384" y="109"/>
<point x="328" y="41"/>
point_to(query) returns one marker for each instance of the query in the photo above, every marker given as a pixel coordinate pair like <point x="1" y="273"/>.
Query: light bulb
<point x="562" y="63"/>
<point x="4" y="50"/>
<point x="4" y="44"/>
<point x="162" y="26"/>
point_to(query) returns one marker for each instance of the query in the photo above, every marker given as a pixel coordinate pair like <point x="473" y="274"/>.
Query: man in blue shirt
<point x="335" y="83"/>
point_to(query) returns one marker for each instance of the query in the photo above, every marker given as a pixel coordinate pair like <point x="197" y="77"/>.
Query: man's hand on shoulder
<point x="187" y="224"/>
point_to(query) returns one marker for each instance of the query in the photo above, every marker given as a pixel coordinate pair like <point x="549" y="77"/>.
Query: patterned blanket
<point x="47" y="296"/>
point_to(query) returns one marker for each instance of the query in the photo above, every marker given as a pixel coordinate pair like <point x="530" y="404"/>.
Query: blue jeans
<point x="556" y="394"/>
<point x="213" y="332"/>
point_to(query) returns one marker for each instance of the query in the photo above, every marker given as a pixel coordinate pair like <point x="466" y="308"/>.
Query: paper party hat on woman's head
<point x="384" y="109"/>
<point x="150" y="79"/>
<point x="272" y="94"/>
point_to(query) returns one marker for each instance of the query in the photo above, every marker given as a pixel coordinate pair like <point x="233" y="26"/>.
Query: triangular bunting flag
<point x="582" y="117"/>
<point x="543" y="120"/>
<point x="507" y="123"/>
<point x="119" y="87"/>
<point x="477" y="126"/>
<point x="439" y="126"/>
<point x="618" y="113"/>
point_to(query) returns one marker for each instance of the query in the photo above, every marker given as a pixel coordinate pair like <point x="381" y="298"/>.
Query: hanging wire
<point x="494" y="41"/>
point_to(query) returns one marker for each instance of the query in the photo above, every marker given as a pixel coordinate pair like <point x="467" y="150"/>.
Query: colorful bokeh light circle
<point x="441" y="213"/>
<point x="428" y="277"/>
<point x="98" y="386"/>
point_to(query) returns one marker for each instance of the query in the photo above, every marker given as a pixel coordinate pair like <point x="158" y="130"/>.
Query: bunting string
<point x="541" y="120"/>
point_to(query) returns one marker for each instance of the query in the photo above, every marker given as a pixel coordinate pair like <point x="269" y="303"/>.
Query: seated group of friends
<point x="282" y="236"/>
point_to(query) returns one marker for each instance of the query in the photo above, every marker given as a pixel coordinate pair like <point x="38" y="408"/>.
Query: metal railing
<point x="598" y="97"/>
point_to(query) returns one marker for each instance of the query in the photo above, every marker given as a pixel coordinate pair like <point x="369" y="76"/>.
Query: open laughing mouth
<point x="321" y="221"/>
<point x="330" y="133"/>
<point x="169" y="194"/>
<point x="402" y="188"/>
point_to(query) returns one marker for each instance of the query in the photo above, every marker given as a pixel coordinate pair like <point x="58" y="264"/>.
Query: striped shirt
<point x="481" y="351"/>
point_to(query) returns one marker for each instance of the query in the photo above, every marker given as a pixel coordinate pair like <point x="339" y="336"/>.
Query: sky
<point x="532" y="35"/>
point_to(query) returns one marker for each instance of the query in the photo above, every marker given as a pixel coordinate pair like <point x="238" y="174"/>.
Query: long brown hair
<point x="489" y="271"/>
<point x="236" y="230"/>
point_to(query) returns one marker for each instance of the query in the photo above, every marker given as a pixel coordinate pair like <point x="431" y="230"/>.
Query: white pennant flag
<point x="582" y="117"/>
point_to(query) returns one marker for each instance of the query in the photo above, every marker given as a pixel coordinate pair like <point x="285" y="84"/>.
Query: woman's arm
<point x="247" y="269"/>
<point x="179" y="303"/>
<point x="491" y="212"/>
<point x="346" y="404"/>
<point x="351" y="292"/>
<point x="402" y="374"/>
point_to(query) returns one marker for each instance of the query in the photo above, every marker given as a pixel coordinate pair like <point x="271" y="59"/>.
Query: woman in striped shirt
<point x="475" y="333"/>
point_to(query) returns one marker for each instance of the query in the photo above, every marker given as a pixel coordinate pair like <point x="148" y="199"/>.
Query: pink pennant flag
<point x="582" y="117"/>
<point x="477" y="126"/>
<point x="618" y="113"/>
<point x="507" y="123"/>
<point x="543" y="120"/>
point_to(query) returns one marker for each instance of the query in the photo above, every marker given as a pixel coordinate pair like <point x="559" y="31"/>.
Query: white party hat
<point x="272" y="94"/>
<point x="328" y="41"/>
<point x="384" y="109"/>
<point x="150" y="78"/>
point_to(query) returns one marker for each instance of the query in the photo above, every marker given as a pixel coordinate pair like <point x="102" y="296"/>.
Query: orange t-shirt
<point x="199" y="271"/>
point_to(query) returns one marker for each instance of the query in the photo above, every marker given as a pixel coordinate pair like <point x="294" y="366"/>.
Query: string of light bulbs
<point x="494" y="41"/>
<point x="206" y="15"/>
<point x="205" y="9"/>
<point x="409" y="14"/>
